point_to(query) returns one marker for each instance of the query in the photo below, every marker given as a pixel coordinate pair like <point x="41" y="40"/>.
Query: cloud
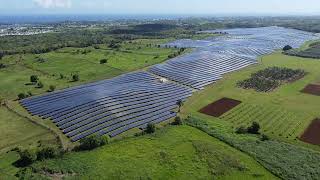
<point x="53" y="3"/>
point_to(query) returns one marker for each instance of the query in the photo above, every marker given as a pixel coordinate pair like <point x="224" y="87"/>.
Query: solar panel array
<point x="111" y="106"/>
<point x="133" y="100"/>
<point x="217" y="56"/>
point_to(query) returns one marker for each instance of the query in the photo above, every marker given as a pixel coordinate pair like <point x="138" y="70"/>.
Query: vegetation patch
<point x="312" y="133"/>
<point x="269" y="79"/>
<point x="313" y="89"/>
<point x="313" y="51"/>
<point x="220" y="107"/>
<point x="282" y="159"/>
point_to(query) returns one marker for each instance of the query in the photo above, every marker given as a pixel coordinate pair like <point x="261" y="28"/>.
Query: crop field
<point x="274" y="120"/>
<point x="284" y="113"/>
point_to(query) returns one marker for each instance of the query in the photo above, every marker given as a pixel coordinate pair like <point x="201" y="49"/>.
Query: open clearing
<point x="220" y="107"/>
<point x="312" y="133"/>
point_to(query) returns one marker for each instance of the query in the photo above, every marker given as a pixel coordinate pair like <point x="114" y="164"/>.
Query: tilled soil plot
<point x="220" y="107"/>
<point x="312" y="89"/>
<point x="312" y="133"/>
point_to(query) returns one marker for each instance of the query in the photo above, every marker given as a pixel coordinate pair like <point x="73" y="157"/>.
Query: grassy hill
<point x="172" y="153"/>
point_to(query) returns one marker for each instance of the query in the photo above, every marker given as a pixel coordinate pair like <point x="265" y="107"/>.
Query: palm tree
<point x="180" y="104"/>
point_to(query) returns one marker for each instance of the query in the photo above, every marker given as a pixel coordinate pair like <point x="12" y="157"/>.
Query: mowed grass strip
<point x="172" y="153"/>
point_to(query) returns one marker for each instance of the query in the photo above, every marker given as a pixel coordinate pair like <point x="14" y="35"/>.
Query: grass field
<point x="284" y="112"/>
<point x="16" y="131"/>
<point x="130" y="57"/>
<point x="191" y="154"/>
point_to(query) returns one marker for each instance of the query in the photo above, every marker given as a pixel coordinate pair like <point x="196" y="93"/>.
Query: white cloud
<point x="53" y="3"/>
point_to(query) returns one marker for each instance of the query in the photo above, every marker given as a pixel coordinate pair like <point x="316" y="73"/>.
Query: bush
<point x="254" y="128"/>
<point x="75" y="77"/>
<point x="241" y="130"/>
<point x="40" y="84"/>
<point x="103" y="61"/>
<point x="92" y="142"/>
<point x="61" y="76"/>
<point x="2" y="66"/>
<point x="177" y="121"/>
<point x="151" y="128"/>
<point x="47" y="153"/>
<point x="287" y="48"/>
<point x="264" y="137"/>
<point x="22" y="96"/>
<point x="52" y="88"/>
<point x="34" y="79"/>
<point x="27" y="157"/>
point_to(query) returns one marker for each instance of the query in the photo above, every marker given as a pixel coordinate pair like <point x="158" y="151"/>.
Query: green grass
<point x="16" y="131"/>
<point x="172" y="153"/>
<point x="282" y="159"/>
<point x="298" y="109"/>
<point x="130" y="57"/>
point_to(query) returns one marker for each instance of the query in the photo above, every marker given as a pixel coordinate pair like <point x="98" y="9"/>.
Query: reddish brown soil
<point x="312" y="133"/>
<point x="312" y="89"/>
<point x="220" y="107"/>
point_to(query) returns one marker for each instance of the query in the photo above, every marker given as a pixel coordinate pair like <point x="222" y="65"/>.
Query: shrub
<point x="264" y="137"/>
<point x="287" y="48"/>
<point x="103" y="61"/>
<point x="47" y="153"/>
<point x="40" y="84"/>
<point x="34" y="79"/>
<point x="177" y="121"/>
<point x="52" y="88"/>
<point x="92" y="142"/>
<point x="151" y="128"/>
<point x="2" y="66"/>
<point x="61" y="76"/>
<point x="241" y="130"/>
<point x="75" y="77"/>
<point x="27" y="157"/>
<point x="254" y="128"/>
<point x="22" y="96"/>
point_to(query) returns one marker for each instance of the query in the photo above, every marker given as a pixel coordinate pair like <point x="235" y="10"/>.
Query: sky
<point x="214" y="7"/>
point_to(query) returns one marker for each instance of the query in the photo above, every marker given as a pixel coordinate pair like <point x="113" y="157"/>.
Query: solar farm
<point x="111" y="107"/>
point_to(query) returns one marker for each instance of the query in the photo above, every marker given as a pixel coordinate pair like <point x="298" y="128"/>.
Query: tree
<point x="52" y="88"/>
<point x="1" y="55"/>
<point x="22" y="96"/>
<point x="40" y="84"/>
<point x="241" y="130"/>
<point x="27" y="157"/>
<point x="91" y="142"/>
<point x="254" y="128"/>
<point x="47" y="153"/>
<point x="103" y="61"/>
<point x="180" y="104"/>
<point x="264" y="138"/>
<point x="34" y="79"/>
<point x="177" y="121"/>
<point x="287" y="48"/>
<point x="2" y="66"/>
<point x="151" y="128"/>
<point x="75" y="77"/>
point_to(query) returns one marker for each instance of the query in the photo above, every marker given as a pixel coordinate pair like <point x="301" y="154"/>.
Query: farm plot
<point x="313" y="89"/>
<point x="312" y="133"/>
<point x="273" y="120"/>
<point x="220" y="107"/>
<point x="109" y="107"/>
